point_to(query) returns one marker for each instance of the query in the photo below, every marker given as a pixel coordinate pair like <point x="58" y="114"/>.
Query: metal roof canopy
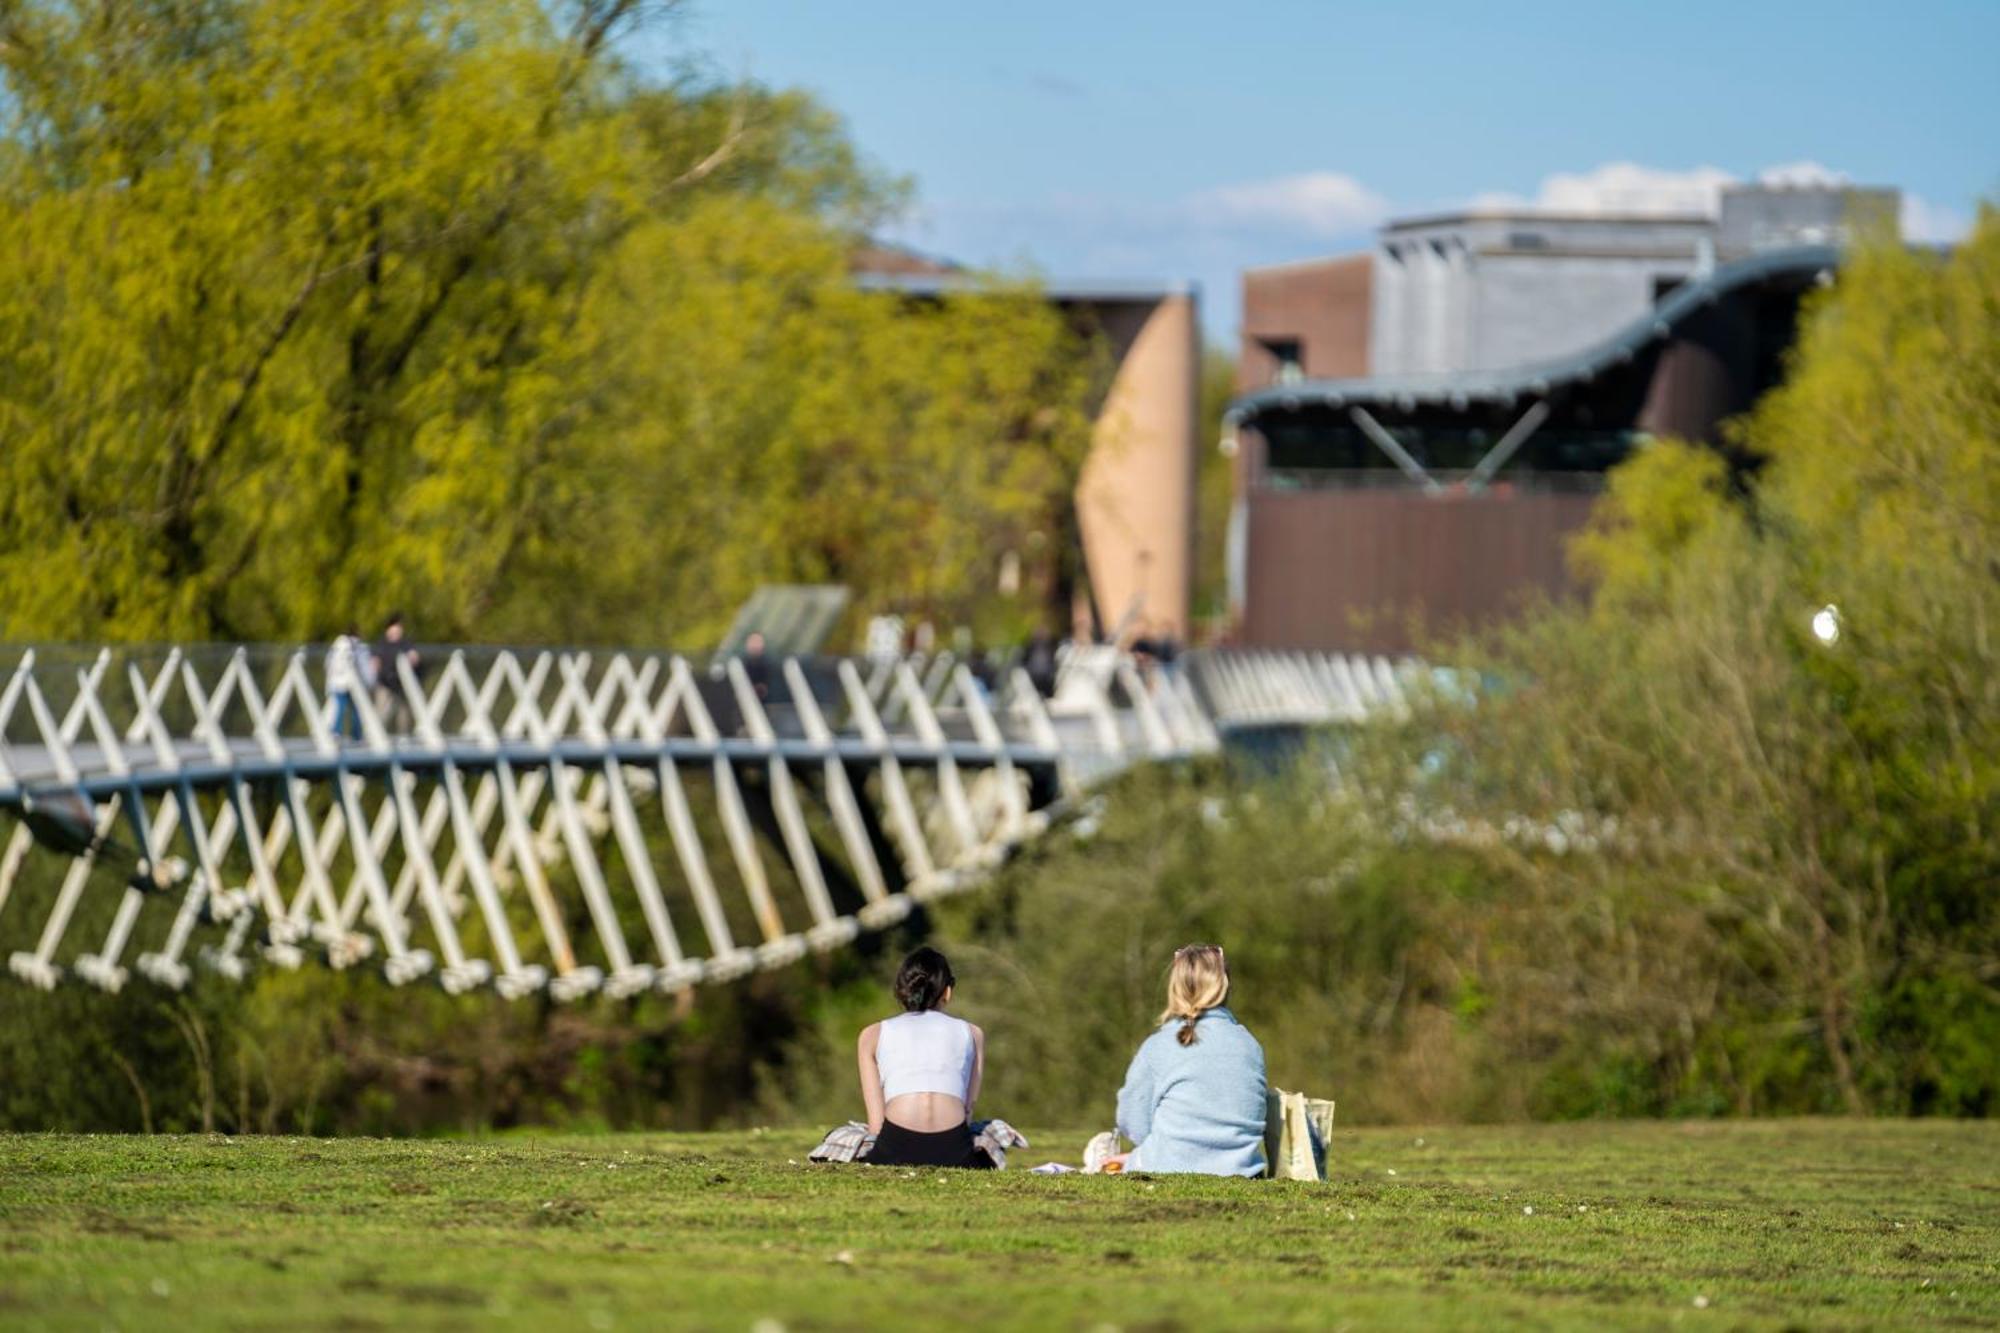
<point x="1459" y="389"/>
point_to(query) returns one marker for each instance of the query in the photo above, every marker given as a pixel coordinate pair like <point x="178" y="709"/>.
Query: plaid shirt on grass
<point x="852" y="1140"/>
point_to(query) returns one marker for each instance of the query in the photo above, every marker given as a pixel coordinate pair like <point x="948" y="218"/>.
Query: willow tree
<point x="771" y="421"/>
<point x="314" y="308"/>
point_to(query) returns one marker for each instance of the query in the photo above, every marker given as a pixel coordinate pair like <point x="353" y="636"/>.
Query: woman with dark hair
<point x="920" y="1073"/>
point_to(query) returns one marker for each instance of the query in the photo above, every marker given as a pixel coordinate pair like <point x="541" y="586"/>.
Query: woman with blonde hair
<point x="1194" y="1096"/>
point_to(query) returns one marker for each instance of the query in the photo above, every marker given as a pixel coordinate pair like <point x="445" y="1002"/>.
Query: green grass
<point x="1821" y="1224"/>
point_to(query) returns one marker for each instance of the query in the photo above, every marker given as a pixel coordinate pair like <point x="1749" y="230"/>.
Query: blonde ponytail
<point x="1197" y="982"/>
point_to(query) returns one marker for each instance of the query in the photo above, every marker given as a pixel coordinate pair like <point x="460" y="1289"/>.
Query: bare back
<point x="913" y="1068"/>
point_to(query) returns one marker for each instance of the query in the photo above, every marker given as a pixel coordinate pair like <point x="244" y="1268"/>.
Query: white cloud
<point x="1621" y="188"/>
<point x="1312" y="203"/>
<point x="1617" y="188"/>
<point x="1927" y="223"/>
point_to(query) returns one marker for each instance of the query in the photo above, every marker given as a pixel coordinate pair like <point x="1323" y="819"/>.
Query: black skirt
<point x="897" y="1146"/>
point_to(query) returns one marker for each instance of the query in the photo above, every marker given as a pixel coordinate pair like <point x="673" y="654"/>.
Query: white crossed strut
<point x="517" y="819"/>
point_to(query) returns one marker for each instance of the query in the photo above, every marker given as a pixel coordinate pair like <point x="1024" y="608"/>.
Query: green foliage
<point x="1215" y="489"/>
<point x="129" y="1062"/>
<point x="316" y="309"/>
<point x="323" y="308"/>
<point x="1064" y="963"/>
<point x="1413" y="979"/>
<point x="778" y="424"/>
<point x="1658" y="504"/>
<point x="1679" y="856"/>
<point x="1831" y="811"/>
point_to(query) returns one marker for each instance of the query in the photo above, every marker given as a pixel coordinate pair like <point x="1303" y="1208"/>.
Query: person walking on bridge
<point x="390" y="699"/>
<point x="349" y="669"/>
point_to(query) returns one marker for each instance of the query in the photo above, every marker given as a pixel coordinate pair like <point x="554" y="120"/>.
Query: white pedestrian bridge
<point x="572" y="821"/>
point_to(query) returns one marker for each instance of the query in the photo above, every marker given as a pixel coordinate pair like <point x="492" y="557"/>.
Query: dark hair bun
<point x="922" y="980"/>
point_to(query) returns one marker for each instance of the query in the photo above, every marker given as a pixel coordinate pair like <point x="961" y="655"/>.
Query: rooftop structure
<point x="1512" y="358"/>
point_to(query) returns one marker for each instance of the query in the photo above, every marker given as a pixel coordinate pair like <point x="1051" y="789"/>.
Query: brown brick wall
<point x="1347" y="568"/>
<point x="1323" y="303"/>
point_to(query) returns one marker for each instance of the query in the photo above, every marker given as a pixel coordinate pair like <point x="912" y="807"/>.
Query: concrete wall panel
<point x="1135" y="500"/>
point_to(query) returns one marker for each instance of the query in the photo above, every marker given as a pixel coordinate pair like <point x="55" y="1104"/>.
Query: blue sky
<point x="1180" y="140"/>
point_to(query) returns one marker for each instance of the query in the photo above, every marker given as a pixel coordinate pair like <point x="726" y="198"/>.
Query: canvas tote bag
<point x="1297" y="1130"/>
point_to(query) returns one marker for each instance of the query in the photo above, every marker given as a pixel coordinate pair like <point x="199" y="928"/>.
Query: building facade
<point x="1306" y="321"/>
<point x="1483" y="291"/>
<point x="1512" y="358"/>
<point x="1135" y="498"/>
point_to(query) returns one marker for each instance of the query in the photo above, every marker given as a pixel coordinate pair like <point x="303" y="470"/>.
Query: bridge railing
<point x="575" y="820"/>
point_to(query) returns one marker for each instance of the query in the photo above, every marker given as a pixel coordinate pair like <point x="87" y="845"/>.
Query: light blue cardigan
<point x="1196" y="1108"/>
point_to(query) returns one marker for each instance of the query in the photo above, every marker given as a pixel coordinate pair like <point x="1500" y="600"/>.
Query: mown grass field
<point x="1817" y="1224"/>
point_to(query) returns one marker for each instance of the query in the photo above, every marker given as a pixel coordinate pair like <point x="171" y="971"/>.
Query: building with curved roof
<point x="1511" y="360"/>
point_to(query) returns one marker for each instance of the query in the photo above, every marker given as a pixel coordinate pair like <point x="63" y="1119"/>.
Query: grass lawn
<point x="1820" y="1224"/>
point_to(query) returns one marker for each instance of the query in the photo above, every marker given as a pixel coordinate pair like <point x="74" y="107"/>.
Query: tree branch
<point x="247" y="381"/>
<point x="720" y="154"/>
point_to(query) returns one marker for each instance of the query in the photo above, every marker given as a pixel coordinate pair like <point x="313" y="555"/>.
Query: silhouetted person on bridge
<point x="1157" y="643"/>
<point x="1040" y="663"/>
<point x="390" y="699"/>
<point x="756" y="666"/>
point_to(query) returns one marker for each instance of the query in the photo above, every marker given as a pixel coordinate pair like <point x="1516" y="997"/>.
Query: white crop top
<point x="926" y="1052"/>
